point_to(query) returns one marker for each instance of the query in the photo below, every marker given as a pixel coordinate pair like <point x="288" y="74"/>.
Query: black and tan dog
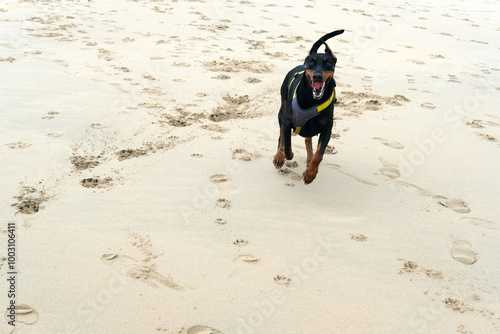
<point x="307" y="98"/>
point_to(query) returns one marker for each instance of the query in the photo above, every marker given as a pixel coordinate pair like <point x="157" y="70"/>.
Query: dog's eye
<point x="329" y="66"/>
<point x="311" y="64"/>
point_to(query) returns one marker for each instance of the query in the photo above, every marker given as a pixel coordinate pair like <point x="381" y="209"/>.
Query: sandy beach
<point x="139" y="194"/>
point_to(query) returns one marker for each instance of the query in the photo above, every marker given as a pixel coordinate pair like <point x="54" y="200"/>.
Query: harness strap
<point x="295" y="76"/>
<point x="324" y="104"/>
<point x="319" y="108"/>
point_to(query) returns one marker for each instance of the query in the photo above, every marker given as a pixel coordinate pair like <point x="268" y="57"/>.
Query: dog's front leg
<point x="279" y="157"/>
<point x="284" y="147"/>
<point x="309" y="149"/>
<point x="287" y="138"/>
<point x="313" y="166"/>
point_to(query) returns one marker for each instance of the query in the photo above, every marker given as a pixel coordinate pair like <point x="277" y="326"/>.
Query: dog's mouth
<point x="318" y="89"/>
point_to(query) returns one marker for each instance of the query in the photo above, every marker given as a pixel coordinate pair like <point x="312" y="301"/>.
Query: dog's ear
<point x="323" y="39"/>
<point x="329" y="51"/>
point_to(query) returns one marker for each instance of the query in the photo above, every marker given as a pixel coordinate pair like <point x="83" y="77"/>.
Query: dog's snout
<point x="318" y="76"/>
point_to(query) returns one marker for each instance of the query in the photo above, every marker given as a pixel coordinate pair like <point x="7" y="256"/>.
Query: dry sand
<point x="136" y="154"/>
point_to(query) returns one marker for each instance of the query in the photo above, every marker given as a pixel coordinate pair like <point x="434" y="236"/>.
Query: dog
<point x="307" y="99"/>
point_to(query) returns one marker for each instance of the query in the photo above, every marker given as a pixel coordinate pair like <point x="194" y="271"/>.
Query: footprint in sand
<point x="223" y="203"/>
<point x="412" y="267"/>
<point x="222" y="77"/>
<point x="459" y="306"/>
<point x="462" y="252"/>
<point x="282" y="280"/>
<point x="486" y="136"/>
<point x="330" y="150"/>
<point x="97" y="126"/>
<point x="24" y="314"/>
<point x="96" y="182"/>
<point x="215" y="128"/>
<point x="130" y="153"/>
<point x="18" y="145"/>
<point x="198" y="329"/>
<point x="54" y="134"/>
<point x="253" y="80"/>
<point x="389" y="169"/>
<point x="142" y="271"/>
<point x="247" y="259"/>
<point x="181" y="64"/>
<point x="84" y="162"/>
<point x="481" y="223"/>
<point x="453" y="78"/>
<point x="293" y="175"/>
<point x="391" y="144"/>
<point x="9" y="59"/>
<point x="50" y="115"/>
<point x="428" y="105"/>
<point x="390" y="172"/>
<point x="223" y="183"/>
<point x="358" y="237"/>
<point x="416" y="61"/>
<point x="240" y="243"/>
<point x="242" y="154"/>
<point x="242" y="270"/>
<point x="475" y="124"/>
<point x="455" y="204"/>
<point x="219" y="178"/>
<point x="220" y="221"/>
<point x="292" y="164"/>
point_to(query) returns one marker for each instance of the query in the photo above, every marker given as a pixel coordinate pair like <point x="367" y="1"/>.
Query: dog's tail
<point x="323" y="40"/>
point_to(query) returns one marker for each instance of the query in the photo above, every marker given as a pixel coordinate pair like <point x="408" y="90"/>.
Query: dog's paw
<point x="279" y="159"/>
<point x="309" y="175"/>
<point x="290" y="157"/>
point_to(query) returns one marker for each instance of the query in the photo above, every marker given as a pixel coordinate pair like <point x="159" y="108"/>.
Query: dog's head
<point x="320" y="67"/>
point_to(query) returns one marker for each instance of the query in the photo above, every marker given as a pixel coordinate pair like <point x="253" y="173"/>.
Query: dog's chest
<point x="301" y="116"/>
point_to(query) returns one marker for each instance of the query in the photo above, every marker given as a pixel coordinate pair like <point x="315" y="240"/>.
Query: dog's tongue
<point x="317" y="85"/>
